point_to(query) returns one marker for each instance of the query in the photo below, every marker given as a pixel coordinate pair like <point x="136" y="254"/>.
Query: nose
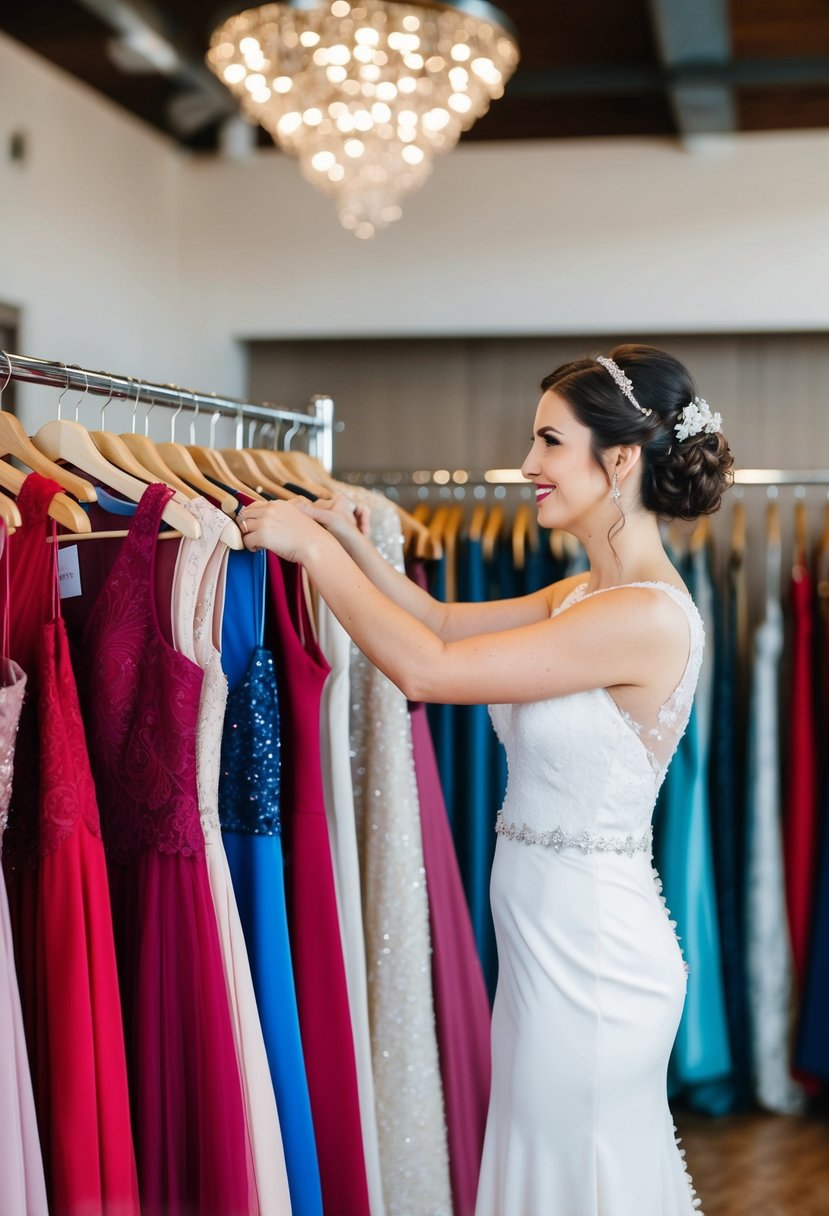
<point x="528" y="470"/>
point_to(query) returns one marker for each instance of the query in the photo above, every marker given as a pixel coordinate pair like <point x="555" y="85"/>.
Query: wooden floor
<point x="758" y="1165"/>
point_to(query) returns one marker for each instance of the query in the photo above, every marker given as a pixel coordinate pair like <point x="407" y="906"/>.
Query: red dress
<point x="800" y="843"/>
<point x="60" y="903"/>
<point x="142" y="702"/>
<point x="322" y="997"/>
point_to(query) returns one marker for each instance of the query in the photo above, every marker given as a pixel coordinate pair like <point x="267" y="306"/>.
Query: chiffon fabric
<point x="322" y="994"/>
<point x="591" y="979"/>
<point x="193" y="1154"/>
<point x="342" y="830"/>
<point x="197" y="597"/>
<point x="59" y="901"/>
<point x="22" y="1185"/>
<point x="249" y="811"/>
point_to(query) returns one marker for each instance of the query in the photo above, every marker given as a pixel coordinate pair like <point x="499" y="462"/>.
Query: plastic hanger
<point x="15" y="442"/>
<point x="62" y="439"/>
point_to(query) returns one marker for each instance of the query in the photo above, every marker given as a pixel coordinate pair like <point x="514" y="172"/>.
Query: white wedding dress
<point x="591" y="978"/>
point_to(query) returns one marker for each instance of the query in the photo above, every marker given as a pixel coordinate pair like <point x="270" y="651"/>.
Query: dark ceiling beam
<point x="695" y="31"/>
<point x="607" y="79"/>
<point x="144" y="33"/>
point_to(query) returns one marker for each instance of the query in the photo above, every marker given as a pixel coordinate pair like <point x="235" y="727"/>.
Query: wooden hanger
<point x="213" y="464"/>
<point x="772" y="524"/>
<point x="801" y="532"/>
<point x="701" y="533"/>
<point x="492" y="531"/>
<point x="245" y="467"/>
<point x="451" y="529"/>
<point x="61" y="439"/>
<point x="476" y="523"/>
<point x="10" y="513"/>
<point x="15" y="442"/>
<point x="738" y="529"/>
<point x="524" y="534"/>
<point x="63" y="509"/>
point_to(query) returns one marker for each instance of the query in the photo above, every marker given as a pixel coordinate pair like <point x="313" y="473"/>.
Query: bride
<point x="590" y="683"/>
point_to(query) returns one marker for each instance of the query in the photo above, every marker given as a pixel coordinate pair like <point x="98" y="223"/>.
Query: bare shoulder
<point x="559" y="590"/>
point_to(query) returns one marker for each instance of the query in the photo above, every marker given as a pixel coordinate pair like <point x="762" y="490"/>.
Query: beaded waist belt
<point x="586" y="842"/>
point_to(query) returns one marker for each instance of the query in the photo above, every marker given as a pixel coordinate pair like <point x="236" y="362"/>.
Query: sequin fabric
<point x="408" y="1087"/>
<point x="11" y="702"/>
<point x="249" y="785"/>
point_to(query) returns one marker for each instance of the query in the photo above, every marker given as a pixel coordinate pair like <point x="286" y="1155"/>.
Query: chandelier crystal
<point x="365" y="95"/>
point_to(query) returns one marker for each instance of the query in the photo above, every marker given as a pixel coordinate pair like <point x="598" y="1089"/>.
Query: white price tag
<point x="69" y="573"/>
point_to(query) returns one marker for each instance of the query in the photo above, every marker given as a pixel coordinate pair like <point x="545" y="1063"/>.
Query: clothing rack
<point x="318" y="421"/>
<point x="504" y="477"/>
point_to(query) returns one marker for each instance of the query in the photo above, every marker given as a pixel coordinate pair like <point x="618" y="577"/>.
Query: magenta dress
<point x="142" y="705"/>
<point x="322" y="997"/>
<point x="461" y="1003"/>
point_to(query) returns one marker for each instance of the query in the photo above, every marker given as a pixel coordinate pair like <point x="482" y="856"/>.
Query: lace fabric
<point x="661" y="734"/>
<point x="143" y="698"/>
<point x="12" y="690"/>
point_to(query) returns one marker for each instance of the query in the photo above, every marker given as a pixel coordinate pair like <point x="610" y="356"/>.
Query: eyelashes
<point x="550" y="441"/>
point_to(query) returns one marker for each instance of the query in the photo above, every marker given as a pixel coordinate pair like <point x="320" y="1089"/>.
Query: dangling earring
<point x="615" y="493"/>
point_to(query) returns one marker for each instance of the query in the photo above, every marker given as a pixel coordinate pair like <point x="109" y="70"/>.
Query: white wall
<point x="89" y="234"/>
<point x="527" y="238"/>
<point x="124" y="253"/>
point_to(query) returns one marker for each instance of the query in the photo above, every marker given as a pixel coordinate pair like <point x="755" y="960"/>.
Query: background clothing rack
<point x="319" y="420"/>
<point x="387" y="479"/>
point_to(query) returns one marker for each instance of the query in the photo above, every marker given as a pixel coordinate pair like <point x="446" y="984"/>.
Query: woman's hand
<point x="339" y="515"/>
<point x="282" y="527"/>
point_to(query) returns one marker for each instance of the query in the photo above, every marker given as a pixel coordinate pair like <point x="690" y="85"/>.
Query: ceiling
<point x="588" y="67"/>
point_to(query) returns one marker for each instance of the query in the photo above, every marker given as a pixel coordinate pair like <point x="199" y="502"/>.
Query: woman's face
<point x="568" y="482"/>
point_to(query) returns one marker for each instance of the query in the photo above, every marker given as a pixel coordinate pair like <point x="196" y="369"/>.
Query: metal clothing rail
<point x="319" y="421"/>
<point x="503" y="477"/>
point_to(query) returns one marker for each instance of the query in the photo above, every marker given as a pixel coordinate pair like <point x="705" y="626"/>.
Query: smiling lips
<point x="542" y="492"/>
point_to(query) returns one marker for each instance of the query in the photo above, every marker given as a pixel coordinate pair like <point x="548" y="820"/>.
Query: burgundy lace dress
<point x="143" y="698"/>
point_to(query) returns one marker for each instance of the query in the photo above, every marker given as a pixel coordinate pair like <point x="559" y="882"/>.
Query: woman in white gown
<point x="590" y="683"/>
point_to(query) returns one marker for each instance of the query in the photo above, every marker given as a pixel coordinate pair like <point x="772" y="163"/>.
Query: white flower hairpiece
<point x="697" y="417"/>
<point x="624" y="382"/>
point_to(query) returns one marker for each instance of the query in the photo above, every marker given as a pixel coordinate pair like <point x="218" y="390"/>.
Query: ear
<point x="627" y="457"/>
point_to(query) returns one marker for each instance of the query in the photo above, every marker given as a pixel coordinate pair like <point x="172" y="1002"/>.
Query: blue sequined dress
<point x="249" y="813"/>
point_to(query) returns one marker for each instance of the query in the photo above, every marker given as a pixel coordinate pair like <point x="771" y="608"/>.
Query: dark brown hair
<point x="680" y="479"/>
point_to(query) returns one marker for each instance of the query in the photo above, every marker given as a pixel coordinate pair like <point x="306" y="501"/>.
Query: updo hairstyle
<point x="681" y="479"/>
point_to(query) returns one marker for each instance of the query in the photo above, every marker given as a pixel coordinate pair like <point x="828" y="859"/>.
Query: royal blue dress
<point x="249" y="814"/>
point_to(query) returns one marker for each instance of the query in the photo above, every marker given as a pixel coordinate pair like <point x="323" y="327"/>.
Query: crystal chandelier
<point x="365" y="94"/>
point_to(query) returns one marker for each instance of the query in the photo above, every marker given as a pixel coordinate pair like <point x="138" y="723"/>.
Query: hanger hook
<point x="9" y="374"/>
<point x="175" y="415"/>
<point x="214" y="418"/>
<point x="294" y="429"/>
<point x="83" y="394"/>
<point x="252" y="425"/>
<point x="276" y="426"/>
<point x="106" y="403"/>
<point x="66" y="389"/>
<point x="137" y="399"/>
<point x="195" y="397"/>
<point x="150" y="408"/>
<point x="240" y="428"/>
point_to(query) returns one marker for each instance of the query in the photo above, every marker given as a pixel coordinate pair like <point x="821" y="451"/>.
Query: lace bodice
<point x="12" y="689"/>
<point x="582" y="771"/>
<point x="199" y="578"/>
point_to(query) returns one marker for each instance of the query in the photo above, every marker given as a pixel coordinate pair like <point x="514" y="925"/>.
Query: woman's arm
<point x="605" y="641"/>
<point x="450" y="622"/>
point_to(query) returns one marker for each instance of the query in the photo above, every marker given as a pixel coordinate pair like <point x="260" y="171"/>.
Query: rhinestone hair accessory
<point x="624" y="382"/>
<point x="697" y="417"/>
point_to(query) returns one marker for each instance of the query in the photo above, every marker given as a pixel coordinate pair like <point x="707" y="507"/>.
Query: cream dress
<point x="591" y="978"/>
